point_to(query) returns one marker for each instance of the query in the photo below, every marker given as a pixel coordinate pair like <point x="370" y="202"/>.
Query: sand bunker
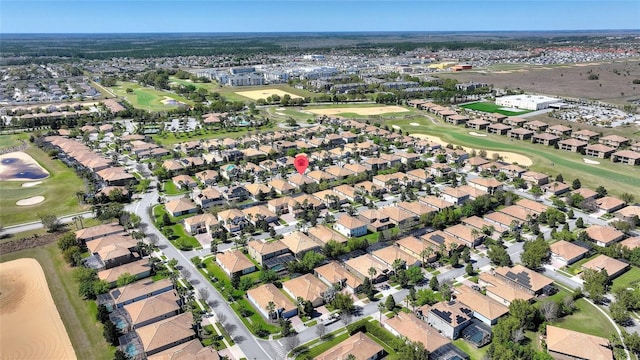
<point x="506" y="156"/>
<point x="20" y="166"/>
<point x="31" y="184"/>
<point x="591" y="162"/>
<point x="414" y="124"/>
<point x="375" y="110"/>
<point x="30" y="201"/>
<point x="170" y="101"/>
<point x="473" y="133"/>
<point x="265" y="93"/>
<point x="395" y="127"/>
<point x="31" y="327"/>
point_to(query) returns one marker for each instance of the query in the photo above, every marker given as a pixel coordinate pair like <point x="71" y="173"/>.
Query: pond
<point x="19" y="166"/>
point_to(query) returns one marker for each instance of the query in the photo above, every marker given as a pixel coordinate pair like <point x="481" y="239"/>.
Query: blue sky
<point x="106" y="16"/>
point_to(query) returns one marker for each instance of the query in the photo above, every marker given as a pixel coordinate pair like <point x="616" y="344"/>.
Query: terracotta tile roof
<point x="165" y="332"/>
<point x="363" y="263"/>
<point x="132" y="268"/>
<point x="481" y="304"/>
<point x="298" y="242"/>
<point x="155" y="306"/>
<point x="334" y="273"/>
<point x="417" y="330"/>
<point x="307" y="287"/>
<point x="631" y="243"/>
<point x="99" y="230"/>
<point x="567" y="250"/>
<point x="604" y="234"/>
<point x="603" y="262"/>
<point x="350" y="222"/>
<point x="609" y="202"/>
<point x="502" y="289"/>
<point x="452" y="312"/>
<point x="520" y="275"/>
<point x="268" y="292"/>
<point x="179" y="205"/>
<point x="578" y="345"/>
<point x="359" y="345"/>
<point x="324" y="234"/>
<point x="389" y="254"/>
<point x="234" y="261"/>
<point x="266" y="247"/>
<point x="137" y="289"/>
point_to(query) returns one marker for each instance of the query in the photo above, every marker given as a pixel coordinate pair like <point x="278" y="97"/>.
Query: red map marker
<point x="301" y="163"/>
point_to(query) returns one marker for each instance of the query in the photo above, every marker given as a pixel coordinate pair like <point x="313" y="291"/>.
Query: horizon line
<point x="316" y="32"/>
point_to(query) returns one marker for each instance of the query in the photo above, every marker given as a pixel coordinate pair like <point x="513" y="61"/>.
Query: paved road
<point x="247" y="342"/>
<point x="67" y="219"/>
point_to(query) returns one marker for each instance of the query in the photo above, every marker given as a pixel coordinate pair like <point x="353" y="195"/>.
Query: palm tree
<point x="372" y="272"/>
<point x="271" y="308"/>
<point x="425" y="254"/>
<point x="381" y="308"/>
<point x="397" y="265"/>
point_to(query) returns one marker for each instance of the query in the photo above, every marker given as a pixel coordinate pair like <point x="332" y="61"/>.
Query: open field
<point x="630" y="279"/>
<point x="147" y="98"/>
<point x="31" y="326"/>
<point x="59" y="191"/>
<point x="77" y="315"/>
<point x="587" y="320"/>
<point x="506" y="156"/>
<point x="12" y="140"/>
<point x="363" y="110"/>
<point x="231" y="92"/>
<point x="265" y="93"/>
<point x="617" y="178"/>
<point x="489" y="107"/>
<point x="563" y="80"/>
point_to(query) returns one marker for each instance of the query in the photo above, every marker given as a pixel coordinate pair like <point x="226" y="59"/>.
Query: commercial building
<point x="526" y="102"/>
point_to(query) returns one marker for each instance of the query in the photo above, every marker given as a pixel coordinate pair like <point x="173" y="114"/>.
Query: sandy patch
<point x="507" y="156"/>
<point x="395" y="127"/>
<point x="375" y="110"/>
<point x="265" y="93"/>
<point x="414" y="124"/>
<point x="15" y="166"/>
<point x="31" y="327"/>
<point x="473" y="133"/>
<point x="591" y="162"/>
<point x="30" y="201"/>
<point x="281" y="109"/>
<point x="31" y="184"/>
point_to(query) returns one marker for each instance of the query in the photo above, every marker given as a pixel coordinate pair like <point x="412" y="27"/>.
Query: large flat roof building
<point x="526" y="102"/>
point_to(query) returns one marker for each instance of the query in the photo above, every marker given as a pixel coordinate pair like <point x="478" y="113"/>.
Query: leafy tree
<point x="433" y="283"/>
<point x="120" y="355"/>
<point x="412" y="350"/>
<point x="268" y="276"/>
<point x="51" y="222"/>
<point x="601" y="191"/>
<point x="576" y="184"/>
<point x="414" y="275"/>
<point x="103" y="314"/>
<point x="111" y="333"/>
<point x="619" y="313"/>
<point x="580" y="223"/>
<point x="627" y="198"/>
<point x="166" y="220"/>
<point x="425" y="297"/>
<point x="524" y="312"/>
<point x="390" y="303"/>
<point x="559" y="178"/>
<point x="343" y="302"/>
<point x="535" y="253"/>
<point x="595" y="283"/>
<point x="550" y="310"/>
<point x="570" y="214"/>
<point x="469" y="269"/>
<point x="125" y="279"/>
<point x="73" y="256"/>
<point x="67" y="240"/>
<point x="235" y="280"/>
<point x="498" y="255"/>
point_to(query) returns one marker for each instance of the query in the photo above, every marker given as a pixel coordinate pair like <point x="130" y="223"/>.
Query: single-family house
<point x="364" y="266"/>
<point x="573" y="145"/>
<point x="153" y="309"/>
<point x="262" y="296"/>
<point x="335" y="274"/>
<point x="299" y="244"/>
<point x="234" y="262"/>
<point x="569" y="344"/>
<point x="604" y="235"/>
<point x="449" y="318"/>
<point x="350" y="226"/>
<point x="180" y="206"/>
<point x="565" y="253"/>
<point x="167" y="333"/>
<point x="307" y="287"/>
<point x="484" y="308"/>
<point x="613" y="267"/>
<point x="358" y="346"/>
<point x="263" y="250"/>
<point x="207" y="198"/>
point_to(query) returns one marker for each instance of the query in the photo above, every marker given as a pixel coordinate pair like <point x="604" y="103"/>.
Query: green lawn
<point x="629" y="279"/>
<point x="617" y="178"/>
<point x="12" y="140"/>
<point x="170" y="138"/>
<point x="490" y="107"/>
<point x="475" y="354"/>
<point x="180" y="235"/>
<point x="146" y="98"/>
<point x="319" y="349"/>
<point x="58" y="189"/>
<point x="78" y="316"/>
<point x="170" y="188"/>
<point x="587" y="319"/>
